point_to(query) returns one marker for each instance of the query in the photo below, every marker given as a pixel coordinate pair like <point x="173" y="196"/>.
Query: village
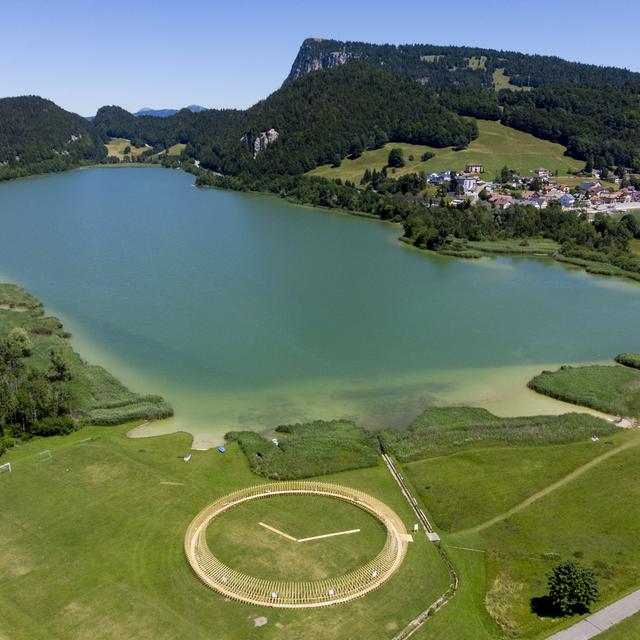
<point x="588" y="195"/>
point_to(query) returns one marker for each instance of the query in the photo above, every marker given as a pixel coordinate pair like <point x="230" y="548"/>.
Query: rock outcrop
<point x="258" y="143"/>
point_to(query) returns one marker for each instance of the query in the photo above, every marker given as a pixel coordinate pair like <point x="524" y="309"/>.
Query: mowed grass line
<point x="495" y="147"/>
<point x="92" y="546"/>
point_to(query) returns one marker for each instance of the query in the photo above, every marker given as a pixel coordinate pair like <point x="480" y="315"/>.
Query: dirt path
<point x="576" y="473"/>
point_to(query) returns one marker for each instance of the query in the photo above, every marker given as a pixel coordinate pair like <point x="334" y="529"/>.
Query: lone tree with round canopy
<point x="396" y="158"/>
<point x="572" y="588"/>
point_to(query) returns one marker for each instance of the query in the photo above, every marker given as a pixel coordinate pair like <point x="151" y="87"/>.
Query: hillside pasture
<point x="117" y="146"/>
<point x="495" y="147"/>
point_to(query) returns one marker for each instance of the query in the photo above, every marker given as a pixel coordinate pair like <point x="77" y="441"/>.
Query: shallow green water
<point x="245" y="311"/>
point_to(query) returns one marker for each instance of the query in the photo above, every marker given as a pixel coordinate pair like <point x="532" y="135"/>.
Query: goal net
<point x="5" y="468"/>
<point x="45" y="455"/>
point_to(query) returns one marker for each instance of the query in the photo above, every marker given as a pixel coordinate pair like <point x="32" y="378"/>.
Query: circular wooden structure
<point x="294" y="595"/>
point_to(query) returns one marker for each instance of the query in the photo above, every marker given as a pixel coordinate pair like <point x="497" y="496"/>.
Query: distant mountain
<point x="165" y="113"/>
<point x="446" y="66"/>
<point x="37" y="136"/>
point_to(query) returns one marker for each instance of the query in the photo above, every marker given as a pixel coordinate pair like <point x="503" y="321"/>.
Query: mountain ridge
<point x="165" y="113"/>
<point x="449" y="65"/>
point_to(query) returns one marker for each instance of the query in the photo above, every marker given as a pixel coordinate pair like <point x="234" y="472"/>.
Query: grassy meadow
<point x="176" y="149"/>
<point x="468" y="488"/>
<point x="99" y="552"/>
<point x="508" y="515"/>
<point x="495" y="147"/>
<point x="117" y="146"/>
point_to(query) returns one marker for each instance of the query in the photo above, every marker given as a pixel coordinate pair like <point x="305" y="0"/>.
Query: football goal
<point x="5" y="468"/>
<point x="45" y="455"/>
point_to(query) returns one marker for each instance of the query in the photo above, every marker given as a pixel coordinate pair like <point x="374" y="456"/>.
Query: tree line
<point x="33" y="402"/>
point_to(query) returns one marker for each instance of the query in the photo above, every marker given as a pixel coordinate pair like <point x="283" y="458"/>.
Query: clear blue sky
<point x="170" y="53"/>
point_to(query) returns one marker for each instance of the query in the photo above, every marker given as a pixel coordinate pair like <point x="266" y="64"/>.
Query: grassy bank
<point x="98" y="397"/>
<point x="612" y="389"/>
<point x="442" y="431"/>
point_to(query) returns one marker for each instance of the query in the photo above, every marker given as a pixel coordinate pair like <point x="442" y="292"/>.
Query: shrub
<point x="54" y="426"/>
<point x="572" y="588"/>
<point x="629" y="360"/>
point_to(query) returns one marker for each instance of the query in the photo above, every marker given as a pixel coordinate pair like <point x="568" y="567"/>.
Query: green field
<point x="116" y="147"/>
<point x="495" y="147"/>
<point x="612" y="389"/>
<point x="503" y="81"/>
<point x="176" y="149"/>
<point x="237" y="538"/>
<point x="514" y="512"/>
<point x="465" y="489"/>
<point x="99" y="397"/>
<point x="92" y="547"/>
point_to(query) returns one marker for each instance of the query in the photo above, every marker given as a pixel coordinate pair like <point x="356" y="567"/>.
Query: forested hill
<point x="447" y="66"/>
<point x="593" y="111"/>
<point x="320" y="118"/>
<point x="37" y="136"/>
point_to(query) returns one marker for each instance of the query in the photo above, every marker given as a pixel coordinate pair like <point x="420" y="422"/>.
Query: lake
<point x="248" y="312"/>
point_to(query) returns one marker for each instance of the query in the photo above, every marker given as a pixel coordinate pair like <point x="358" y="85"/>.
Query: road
<point x="598" y="622"/>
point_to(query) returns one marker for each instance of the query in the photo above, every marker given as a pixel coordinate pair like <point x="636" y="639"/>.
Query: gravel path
<point x="601" y="620"/>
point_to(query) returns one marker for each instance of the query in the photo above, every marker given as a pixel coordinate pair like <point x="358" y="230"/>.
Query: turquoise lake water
<point x="246" y="312"/>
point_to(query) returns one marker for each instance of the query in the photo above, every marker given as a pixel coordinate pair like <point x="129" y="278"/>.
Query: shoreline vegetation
<point x="590" y="260"/>
<point x="612" y="389"/>
<point x="48" y="389"/>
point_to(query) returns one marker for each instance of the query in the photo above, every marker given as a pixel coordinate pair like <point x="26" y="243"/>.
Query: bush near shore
<point x="629" y="360"/>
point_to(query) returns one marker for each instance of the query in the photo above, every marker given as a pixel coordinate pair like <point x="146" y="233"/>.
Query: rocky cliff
<point x="313" y="56"/>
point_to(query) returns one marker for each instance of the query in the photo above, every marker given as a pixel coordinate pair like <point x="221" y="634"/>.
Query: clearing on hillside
<point x="117" y="146"/>
<point x="495" y="147"/>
